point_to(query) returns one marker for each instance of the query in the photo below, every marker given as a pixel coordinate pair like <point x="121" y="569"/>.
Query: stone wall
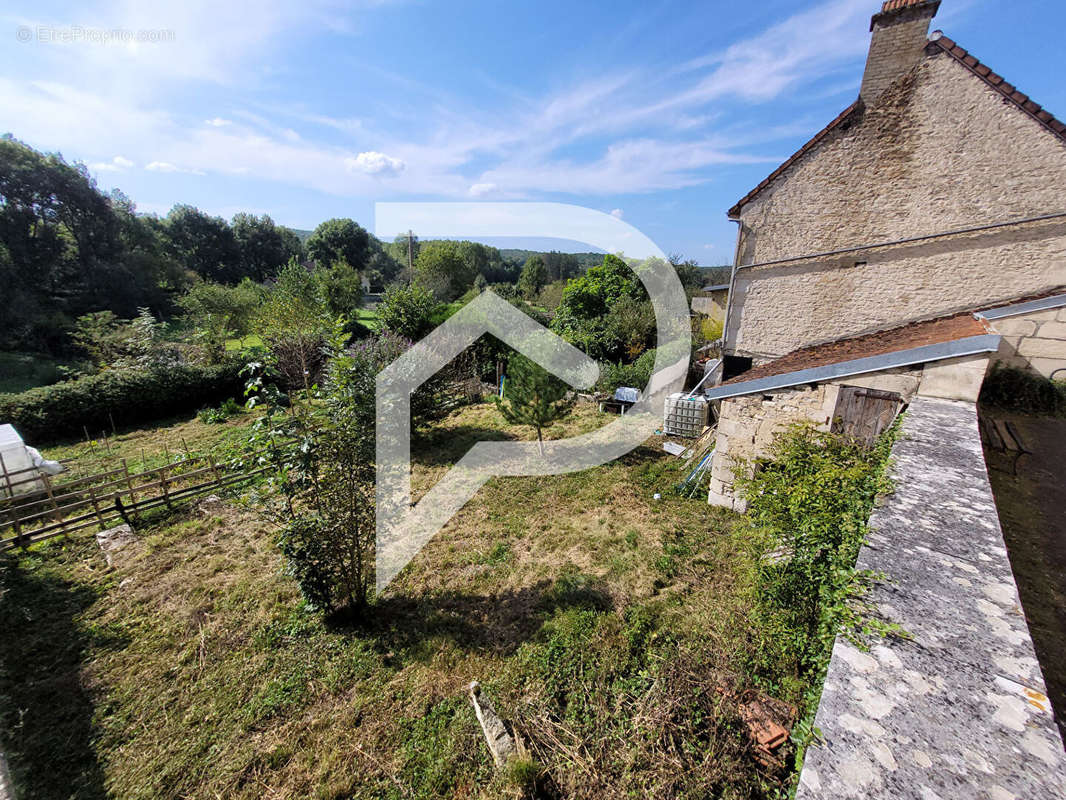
<point x="957" y="708"/>
<point x="1035" y="341"/>
<point x="939" y="151"/>
<point x="747" y="425"/>
<point x="711" y="304"/>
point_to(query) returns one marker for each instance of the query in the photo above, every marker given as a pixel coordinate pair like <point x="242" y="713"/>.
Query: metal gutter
<point x="971" y="345"/>
<point x="732" y="285"/>
<point x="908" y="240"/>
<point x="1043" y="304"/>
<point x="716" y="288"/>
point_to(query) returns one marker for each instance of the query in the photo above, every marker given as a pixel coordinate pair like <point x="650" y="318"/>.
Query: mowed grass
<point x="606" y="626"/>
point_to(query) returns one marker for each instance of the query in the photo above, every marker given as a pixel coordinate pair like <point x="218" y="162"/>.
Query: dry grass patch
<point x="600" y="620"/>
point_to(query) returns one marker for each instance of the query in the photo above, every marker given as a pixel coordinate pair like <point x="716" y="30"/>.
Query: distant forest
<point x="68" y="249"/>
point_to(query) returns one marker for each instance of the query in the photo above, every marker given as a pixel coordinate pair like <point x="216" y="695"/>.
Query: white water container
<point x="684" y="415"/>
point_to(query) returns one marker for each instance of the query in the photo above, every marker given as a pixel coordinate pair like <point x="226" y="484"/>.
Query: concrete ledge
<point x="960" y="710"/>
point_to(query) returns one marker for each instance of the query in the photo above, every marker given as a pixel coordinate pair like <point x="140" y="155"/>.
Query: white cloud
<point x="116" y="164"/>
<point x="375" y="163"/>
<point x="166" y="166"/>
<point x="616" y="133"/>
<point x="617" y="213"/>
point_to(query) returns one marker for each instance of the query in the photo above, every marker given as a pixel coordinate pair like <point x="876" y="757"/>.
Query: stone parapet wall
<point x="958" y="708"/>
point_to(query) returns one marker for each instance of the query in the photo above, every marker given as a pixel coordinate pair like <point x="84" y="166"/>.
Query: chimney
<point x="900" y="33"/>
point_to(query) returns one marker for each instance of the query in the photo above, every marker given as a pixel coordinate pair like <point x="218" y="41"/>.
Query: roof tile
<point x="903" y="337"/>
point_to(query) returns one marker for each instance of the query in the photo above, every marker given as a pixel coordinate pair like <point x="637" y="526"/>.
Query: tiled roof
<point x="905" y="337"/>
<point x="844" y="115"/>
<point x="1008" y="90"/>
<point x="939" y="43"/>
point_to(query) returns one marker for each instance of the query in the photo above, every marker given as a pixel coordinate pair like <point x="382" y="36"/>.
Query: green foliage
<point x="533" y="396"/>
<point x="1021" y="390"/>
<point x="264" y="247"/>
<point x="51" y="413"/>
<point x="442" y="269"/>
<point x="407" y="311"/>
<point x="339" y="240"/>
<point x="203" y="243"/>
<point x="809" y="505"/>
<point x="340" y="289"/>
<point x="213" y="416"/>
<point x="217" y="312"/>
<point x="637" y="374"/>
<point x="327" y="520"/>
<point x="295" y="322"/>
<point x="533" y="278"/>
<point x="111" y="343"/>
<point x="606" y="312"/>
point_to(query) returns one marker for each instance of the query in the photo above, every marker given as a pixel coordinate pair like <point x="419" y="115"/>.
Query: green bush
<point x="62" y="410"/>
<point x="1018" y="390"/>
<point x="637" y="374"/>
<point x="809" y="505"/>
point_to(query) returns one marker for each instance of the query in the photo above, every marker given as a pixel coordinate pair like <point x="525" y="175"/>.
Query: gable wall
<point x="939" y="151"/>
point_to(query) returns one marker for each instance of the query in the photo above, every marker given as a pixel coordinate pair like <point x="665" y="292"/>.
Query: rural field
<point x="608" y="628"/>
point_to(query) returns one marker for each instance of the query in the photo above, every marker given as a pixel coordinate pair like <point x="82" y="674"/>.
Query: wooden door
<point x="862" y="414"/>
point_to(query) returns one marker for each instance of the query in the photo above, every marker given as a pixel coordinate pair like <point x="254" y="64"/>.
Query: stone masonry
<point x="1035" y="341"/>
<point x="958" y="708"/>
<point x="938" y="151"/>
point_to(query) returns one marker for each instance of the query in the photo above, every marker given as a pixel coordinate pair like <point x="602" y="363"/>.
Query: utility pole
<point x="410" y="251"/>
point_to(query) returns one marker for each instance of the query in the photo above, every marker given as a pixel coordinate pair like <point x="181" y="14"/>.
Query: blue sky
<point x="662" y="112"/>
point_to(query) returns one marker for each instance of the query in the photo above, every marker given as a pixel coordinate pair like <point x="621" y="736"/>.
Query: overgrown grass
<point x="809" y="506"/>
<point x="609" y="628"/>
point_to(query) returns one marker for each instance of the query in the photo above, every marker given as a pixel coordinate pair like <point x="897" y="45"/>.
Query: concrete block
<point x="1042" y="348"/>
<point x="1052" y="330"/>
<point x="954" y="379"/>
<point x="1014" y="326"/>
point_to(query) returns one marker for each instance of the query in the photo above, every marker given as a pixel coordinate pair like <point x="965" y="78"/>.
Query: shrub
<point x="66" y="409"/>
<point x="810" y="505"/>
<point x="637" y="374"/>
<point x="211" y="416"/>
<point x="1018" y="390"/>
<point x="407" y="311"/>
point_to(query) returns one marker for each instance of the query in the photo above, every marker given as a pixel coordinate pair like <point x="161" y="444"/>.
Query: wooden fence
<point x="106" y="498"/>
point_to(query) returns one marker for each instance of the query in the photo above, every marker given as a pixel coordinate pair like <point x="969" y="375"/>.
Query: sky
<point x="661" y="112"/>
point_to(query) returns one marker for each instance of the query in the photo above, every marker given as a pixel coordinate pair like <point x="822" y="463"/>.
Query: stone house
<point x="711" y="301"/>
<point x="915" y="240"/>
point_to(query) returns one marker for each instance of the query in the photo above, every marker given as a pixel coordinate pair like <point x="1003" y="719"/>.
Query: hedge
<point x="65" y="410"/>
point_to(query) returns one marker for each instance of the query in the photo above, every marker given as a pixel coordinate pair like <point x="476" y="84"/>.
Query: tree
<point x="533" y="396"/>
<point x="264" y="247"/>
<point x="296" y="325"/>
<point x="407" y="311"/>
<point x="217" y="312"/>
<point x="203" y="243"/>
<point x="583" y="317"/>
<point x="339" y="240"/>
<point x="328" y="529"/>
<point x="340" y="288"/>
<point x="443" y="270"/>
<point x="533" y="278"/>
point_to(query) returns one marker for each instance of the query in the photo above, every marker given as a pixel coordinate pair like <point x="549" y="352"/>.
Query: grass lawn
<point x="606" y="626"/>
<point x="248" y="341"/>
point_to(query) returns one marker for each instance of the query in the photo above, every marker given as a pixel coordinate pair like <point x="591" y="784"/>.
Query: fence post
<point x="163" y="484"/>
<point x="96" y="507"/>
<point x="129" y="481"/>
